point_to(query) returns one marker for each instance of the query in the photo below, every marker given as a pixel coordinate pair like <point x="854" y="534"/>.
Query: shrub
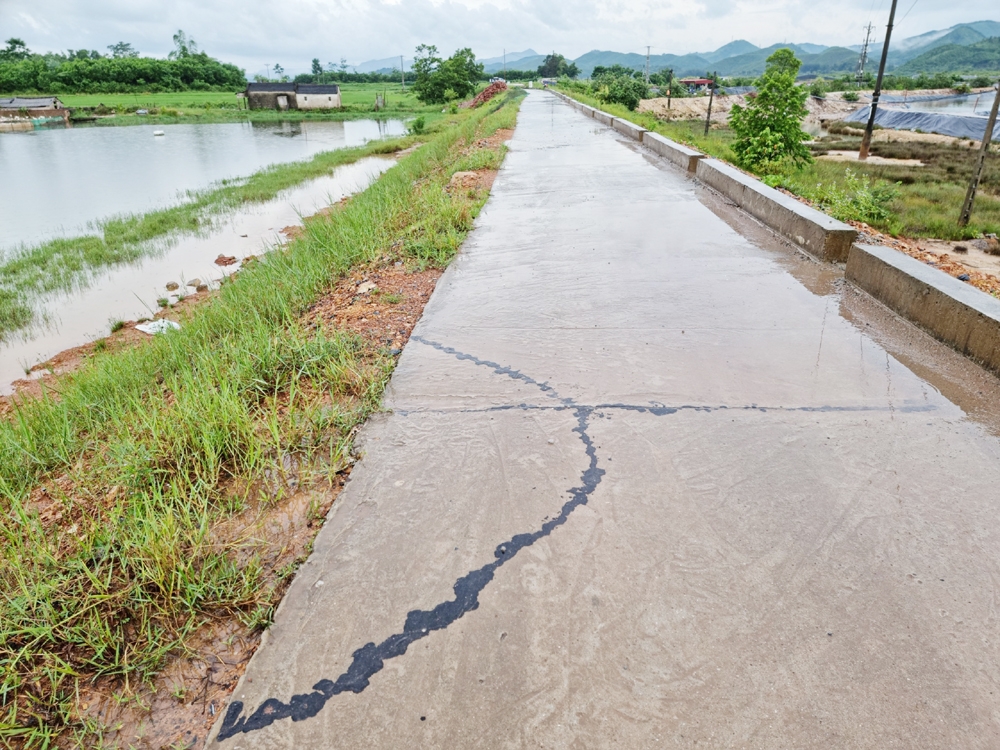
<point x="440" y="81"/>
<point x="769" y="128"/>
<point x="617" y="88"/>
<point x="862" y="199"/>
<point x="850" y="96"/>
<point x="418" y="125"/>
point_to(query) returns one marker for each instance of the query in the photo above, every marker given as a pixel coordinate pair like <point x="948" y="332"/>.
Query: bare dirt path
<point x="650" y="479"/>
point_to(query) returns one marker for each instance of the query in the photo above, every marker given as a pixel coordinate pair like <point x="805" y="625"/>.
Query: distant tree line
<point x="557" y="66"/>
<point x="121" y="70"/>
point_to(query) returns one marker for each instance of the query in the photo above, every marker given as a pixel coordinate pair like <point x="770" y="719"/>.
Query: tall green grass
<point x="144" y="451"/>
<point x="64" y="263"/>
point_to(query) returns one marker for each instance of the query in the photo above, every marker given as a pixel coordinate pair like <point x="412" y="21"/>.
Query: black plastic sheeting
<point x="958" y="126"/>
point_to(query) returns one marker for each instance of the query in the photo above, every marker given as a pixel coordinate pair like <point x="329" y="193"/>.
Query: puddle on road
<point x="131" y="291"/>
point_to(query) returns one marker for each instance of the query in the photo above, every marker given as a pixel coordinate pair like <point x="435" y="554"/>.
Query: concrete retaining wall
<point x="628" y="128"/>
<point x="684" y="157"/>
<point x="950" y="310"/>
<point x="813" y="231"/>
<point x="603" y="117"/>
<point x="818" y="234"/>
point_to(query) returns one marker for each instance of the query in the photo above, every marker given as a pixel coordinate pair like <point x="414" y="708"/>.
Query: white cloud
<point x="292" y="32"/>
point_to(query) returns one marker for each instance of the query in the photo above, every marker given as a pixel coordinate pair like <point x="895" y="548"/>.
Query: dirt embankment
<point x="820" y="110"/>
<point x="381" y="303"/>
<point x="829" y="109"/>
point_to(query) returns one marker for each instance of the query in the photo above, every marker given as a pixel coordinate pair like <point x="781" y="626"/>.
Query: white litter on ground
<point x="158" y="326"/>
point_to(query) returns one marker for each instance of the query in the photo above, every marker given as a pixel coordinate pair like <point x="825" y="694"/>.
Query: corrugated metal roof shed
<point x="316" y="88"/>
<point x="48" y="102"/>
<point x="270" y="88"/>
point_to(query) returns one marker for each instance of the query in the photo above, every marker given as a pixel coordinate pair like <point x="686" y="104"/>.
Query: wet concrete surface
<point x="650" y="479"/>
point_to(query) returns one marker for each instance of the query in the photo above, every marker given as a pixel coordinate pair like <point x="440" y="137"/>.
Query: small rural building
<point x="44" y="103"/>
<point x="317" y="96"/>
<point x="696" y="85"/>
<point x="282" y="96"/>
<point x="22" y="113"/>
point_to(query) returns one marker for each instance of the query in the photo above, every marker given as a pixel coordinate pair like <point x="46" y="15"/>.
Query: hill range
<point x="967" y="47"/>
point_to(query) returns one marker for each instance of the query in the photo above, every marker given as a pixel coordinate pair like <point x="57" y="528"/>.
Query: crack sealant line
<point x="369" y="660"/>
<point x="660" y="410"/>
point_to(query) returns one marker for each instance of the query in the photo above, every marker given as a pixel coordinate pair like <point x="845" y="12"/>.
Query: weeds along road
<point x="649" y="479"/>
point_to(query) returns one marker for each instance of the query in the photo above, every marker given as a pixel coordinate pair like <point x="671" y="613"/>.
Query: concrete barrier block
<point x="816" y="233"/>
<point x="684" y="157"/>
<point x="950" y="310"/>
<point x="630" y="129"/>
<point x="603" y="117"/>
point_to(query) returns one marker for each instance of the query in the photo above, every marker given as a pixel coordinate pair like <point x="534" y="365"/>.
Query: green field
<point x="358" y="100"/>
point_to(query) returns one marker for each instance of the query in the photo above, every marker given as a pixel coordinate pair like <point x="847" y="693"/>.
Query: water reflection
<point x="972" y="104"/>
<point x="66" y="178"/>
<point x="130" y="291"/>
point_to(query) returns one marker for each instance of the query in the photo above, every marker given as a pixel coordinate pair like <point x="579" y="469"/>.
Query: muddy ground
<point x="381" y="303"/>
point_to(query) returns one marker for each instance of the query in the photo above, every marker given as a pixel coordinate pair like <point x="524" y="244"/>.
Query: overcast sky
<point x="291" y="32"/>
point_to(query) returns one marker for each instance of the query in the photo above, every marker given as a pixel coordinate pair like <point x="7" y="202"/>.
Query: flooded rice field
<point x="132" y="291"/>
<point x="68" y="178"/>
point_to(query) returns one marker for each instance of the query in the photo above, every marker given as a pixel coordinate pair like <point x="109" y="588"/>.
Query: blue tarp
<point x="958" y="126"/>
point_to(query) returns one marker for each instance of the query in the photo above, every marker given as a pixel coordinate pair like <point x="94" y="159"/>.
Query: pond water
<point x="131" y="291"/>
<point x="973" y="104"/>
<point x="57" y="181"/>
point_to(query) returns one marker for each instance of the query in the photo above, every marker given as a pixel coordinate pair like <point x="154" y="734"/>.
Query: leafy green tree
<point x="439" y="81"/>
<point x="615" y="70"/>
<point x="769" y="128"/>
<point x="317" y="68"/>
<point x="83" y="54"/>
<point x="122" y="49"/>
<point x="556" y="66"/>
<point x="617" y="85"/>
<point x="184" y="46"/>
<point x="16" y="49"/>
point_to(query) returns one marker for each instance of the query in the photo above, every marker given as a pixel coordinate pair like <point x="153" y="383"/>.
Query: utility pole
<point x="647" y="64"/>
<point x="866" y="141"/>
<point x="504" y="63"/>
<point x="863" y="60"/>
<point x="977" y="172"/>
<point x="670" y="85"/>
<point x="402" y="71"/>
<point x="711" y="96"/>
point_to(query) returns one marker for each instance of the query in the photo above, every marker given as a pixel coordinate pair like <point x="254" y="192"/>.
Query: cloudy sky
<point x="253" y="33"/>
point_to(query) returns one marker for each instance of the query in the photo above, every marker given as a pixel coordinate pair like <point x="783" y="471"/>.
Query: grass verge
<point x="899" y="200"/>
<point x="114" y="486"/>
<point x="213" y="106"/>
<point x="62" y="264"/>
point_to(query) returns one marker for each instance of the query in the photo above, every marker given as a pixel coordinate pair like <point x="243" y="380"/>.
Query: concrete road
<point x="650" y="480"/>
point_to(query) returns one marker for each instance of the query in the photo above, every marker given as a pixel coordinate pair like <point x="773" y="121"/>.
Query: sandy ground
<point x="830" y="109"/>
<point x="853" y="156"/>
<point x="820" y="110"/>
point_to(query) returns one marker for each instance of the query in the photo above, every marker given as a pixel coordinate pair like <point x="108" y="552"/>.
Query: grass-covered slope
<point x="983" y="56"/>
<point x="112" y="489"/>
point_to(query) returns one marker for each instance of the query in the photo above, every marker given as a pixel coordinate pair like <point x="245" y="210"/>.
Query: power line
<point x="908" y="12"/>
